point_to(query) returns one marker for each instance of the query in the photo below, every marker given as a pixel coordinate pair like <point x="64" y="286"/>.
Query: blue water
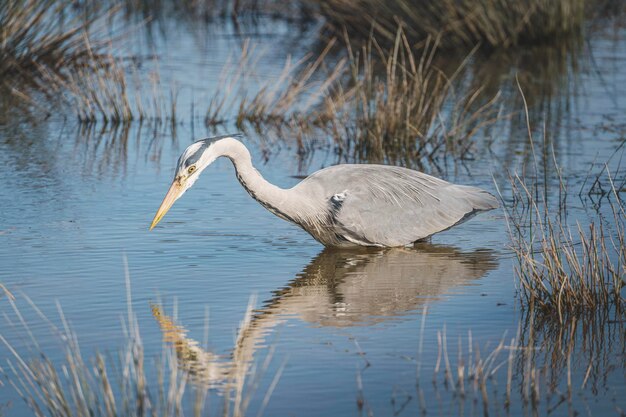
<point x="75" y="203"/>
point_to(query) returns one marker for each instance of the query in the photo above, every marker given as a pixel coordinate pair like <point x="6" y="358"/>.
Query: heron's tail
<point x="479" y="199"/>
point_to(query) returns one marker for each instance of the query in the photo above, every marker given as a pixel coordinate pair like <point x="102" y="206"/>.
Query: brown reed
<point x="566" y="269"/>
<point x="397" y="106"/>
<point x="108" y="386"/>
<point x="43" y="36"/>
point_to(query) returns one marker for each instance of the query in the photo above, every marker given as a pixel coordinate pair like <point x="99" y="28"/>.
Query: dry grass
<point x="399" y="107"/>
<point x="379" y="105"/>
<point x="566" y="269"/>
<point x="291" y="96"/>
<point x="113" y="93"/>
<point x="44" y="36"/>
<point x="373" y="104"/>
<point x="493" y="23"/>
<point x="108" y="386"/>
<point x="99" y="93"/>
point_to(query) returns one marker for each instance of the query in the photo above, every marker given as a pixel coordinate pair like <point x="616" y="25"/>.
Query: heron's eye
<point x="191" y="169"/>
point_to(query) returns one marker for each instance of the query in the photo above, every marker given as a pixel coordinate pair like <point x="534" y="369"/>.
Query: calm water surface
<point x="75" y="202"/>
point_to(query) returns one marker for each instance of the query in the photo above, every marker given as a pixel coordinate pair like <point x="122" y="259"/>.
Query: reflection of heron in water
<point x="342" y="205"/>
<point x="339" y="288"/>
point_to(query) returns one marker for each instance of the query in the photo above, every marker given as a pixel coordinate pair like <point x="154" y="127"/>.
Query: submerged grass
<point x="6" y="292"/>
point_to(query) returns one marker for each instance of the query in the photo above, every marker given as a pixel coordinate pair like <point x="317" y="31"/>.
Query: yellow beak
<point x="172" y="194"/>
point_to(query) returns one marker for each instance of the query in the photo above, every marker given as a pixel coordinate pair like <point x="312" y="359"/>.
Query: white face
<point x="191" y="163"/>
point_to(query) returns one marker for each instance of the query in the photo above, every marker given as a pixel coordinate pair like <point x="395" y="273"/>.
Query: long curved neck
<point x="275" y="199"/>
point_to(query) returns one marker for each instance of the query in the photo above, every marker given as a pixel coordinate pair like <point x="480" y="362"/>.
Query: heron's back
<point x="384" y="205"/>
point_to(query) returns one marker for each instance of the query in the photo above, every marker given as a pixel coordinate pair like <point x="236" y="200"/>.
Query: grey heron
<point x="342" y="205"/>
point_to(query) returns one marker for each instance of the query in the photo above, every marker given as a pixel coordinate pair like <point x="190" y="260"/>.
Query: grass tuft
<point x="399" y="107"/>
<point x="40" y="37"/>
<point x="566" y="270"/>
<point x="109" y="386"/>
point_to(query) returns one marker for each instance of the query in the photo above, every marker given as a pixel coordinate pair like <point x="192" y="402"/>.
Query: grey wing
<point x="393" y="206"/>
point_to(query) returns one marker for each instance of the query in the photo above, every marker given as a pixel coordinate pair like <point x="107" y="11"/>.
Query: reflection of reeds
<point x="593" y="340"/>
<point x="474" y="373"/>
<point x="494" y="23"/>
<point x="538" y="370"/>
<point x="76" y="389"/>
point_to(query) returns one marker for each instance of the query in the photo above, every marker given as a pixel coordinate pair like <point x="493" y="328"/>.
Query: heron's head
<point x="191" y="163"/>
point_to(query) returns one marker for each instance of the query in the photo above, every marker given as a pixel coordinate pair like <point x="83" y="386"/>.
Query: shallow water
<point x="76" y="203"/>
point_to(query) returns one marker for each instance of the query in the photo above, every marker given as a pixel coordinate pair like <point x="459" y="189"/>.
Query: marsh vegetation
<point x="98" y="100"/>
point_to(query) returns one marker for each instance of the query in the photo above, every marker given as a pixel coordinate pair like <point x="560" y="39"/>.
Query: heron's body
<point x="346" y="205"/>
